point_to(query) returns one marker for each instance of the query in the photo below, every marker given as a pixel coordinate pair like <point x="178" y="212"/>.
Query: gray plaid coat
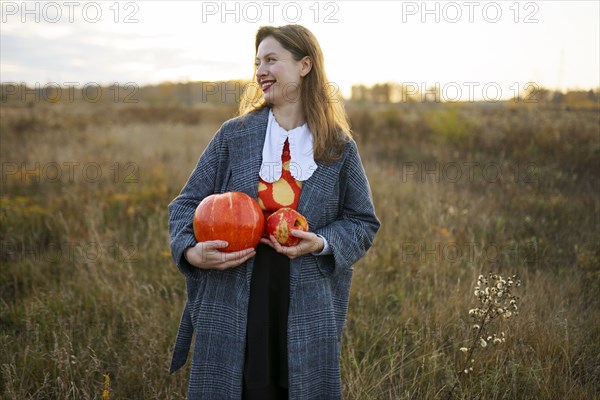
<point x="337" y="202"/>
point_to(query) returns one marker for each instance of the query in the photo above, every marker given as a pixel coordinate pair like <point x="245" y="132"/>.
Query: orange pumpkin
<point x="281" y="223"/>
<point x="233" y="217"/>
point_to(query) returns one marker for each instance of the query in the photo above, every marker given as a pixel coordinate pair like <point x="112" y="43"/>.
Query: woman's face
<point x="278" y="74"/>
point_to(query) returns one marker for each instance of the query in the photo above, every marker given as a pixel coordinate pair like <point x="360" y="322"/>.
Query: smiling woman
<point x="281" y="55"/>
<point x="269" y="321"/>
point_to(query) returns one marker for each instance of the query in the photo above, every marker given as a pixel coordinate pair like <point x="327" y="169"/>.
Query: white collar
<point x="302" y="163"/>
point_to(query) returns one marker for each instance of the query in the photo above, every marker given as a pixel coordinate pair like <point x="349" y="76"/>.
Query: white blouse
<point x="302" y="163"/>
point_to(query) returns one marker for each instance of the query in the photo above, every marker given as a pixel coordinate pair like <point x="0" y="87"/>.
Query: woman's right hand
<point x="206" y="255"/>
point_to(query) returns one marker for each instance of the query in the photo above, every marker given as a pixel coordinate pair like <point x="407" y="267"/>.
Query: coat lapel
<point x="245" y="164"/>
<point x="316" y="191"/>
<point x="314" y="196"/>
<point x="245" y="148"/>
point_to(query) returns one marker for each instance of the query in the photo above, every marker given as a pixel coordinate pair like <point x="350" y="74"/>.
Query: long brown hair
<point x="323" y="108"/>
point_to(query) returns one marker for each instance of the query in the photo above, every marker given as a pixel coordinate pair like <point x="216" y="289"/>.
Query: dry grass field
<point x="88" y="288"/>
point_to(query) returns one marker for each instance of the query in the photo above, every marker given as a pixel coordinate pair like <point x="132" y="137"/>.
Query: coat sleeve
<point x="352" y="234"/>
<point x="203" y="182"/>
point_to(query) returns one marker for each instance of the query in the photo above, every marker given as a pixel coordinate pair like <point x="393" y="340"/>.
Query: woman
<point x="268" y="321"/>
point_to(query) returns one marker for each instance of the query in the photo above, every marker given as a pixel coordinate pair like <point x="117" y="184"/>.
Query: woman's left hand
<point x="309" y="243"/>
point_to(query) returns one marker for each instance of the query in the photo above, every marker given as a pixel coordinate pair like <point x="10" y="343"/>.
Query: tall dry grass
<point x="88" y="287"/>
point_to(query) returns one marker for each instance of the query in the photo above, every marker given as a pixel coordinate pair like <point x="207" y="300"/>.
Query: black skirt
<point x="265" y="367"/>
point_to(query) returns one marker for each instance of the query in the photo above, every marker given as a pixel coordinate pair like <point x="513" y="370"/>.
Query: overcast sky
<point x="461" y="46"/>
